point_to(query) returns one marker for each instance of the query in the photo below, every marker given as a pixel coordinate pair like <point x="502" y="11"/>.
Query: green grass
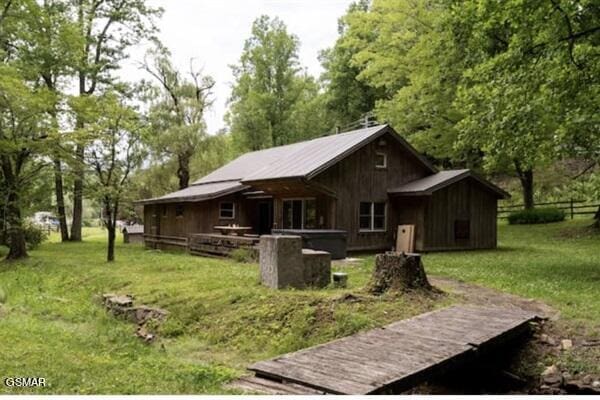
<point x="52" y="324"/>
<point x="557" y="263"/>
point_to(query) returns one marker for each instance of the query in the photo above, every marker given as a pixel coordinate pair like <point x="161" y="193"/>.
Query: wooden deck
<point x="394" y="358"/>
<point x="213" y="244"/>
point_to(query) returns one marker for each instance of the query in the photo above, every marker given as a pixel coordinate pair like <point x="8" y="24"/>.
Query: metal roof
<point x="199" y="192"/>
<point x="299" y="160"/>
<point x="431" y="183"/>
<point x="303" y="159"/>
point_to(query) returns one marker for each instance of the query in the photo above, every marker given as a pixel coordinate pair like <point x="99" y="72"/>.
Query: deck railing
<point x="180" y="241"/>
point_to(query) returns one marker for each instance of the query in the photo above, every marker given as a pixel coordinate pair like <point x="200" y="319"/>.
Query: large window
<point x="372" y="217"/>
<point x="299" y="214"/>
<point x="227" y="210"/>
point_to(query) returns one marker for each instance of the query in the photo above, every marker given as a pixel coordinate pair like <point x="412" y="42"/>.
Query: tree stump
<point x="398" y="272"/>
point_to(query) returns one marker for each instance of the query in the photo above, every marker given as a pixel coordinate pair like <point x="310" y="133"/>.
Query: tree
<point x="346" y="97"/>
<point x="267" y="86"/>
<point x="109" y="28"/>
<point x="112" y="153"/>
<point x="177" y="114"/>
<point x="533" y="74"/>
<point x="24" y="140"/>
<point x="51" y="48"/>
<point x="405" y="53"/>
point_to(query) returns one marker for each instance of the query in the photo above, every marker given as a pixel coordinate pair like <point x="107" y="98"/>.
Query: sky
<point x="212" y="33"/>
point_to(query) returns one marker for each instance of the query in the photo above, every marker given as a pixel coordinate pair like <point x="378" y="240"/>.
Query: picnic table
<point x="235" y="230"/>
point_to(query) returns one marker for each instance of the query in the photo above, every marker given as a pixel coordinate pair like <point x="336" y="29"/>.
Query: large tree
<point x="177" y="110"/>
<point x="532" y="86"/>
<point x="270" y="90"/>
<point x="51" y="49"/>
<point x="109" y="29"/>
<point x="25" y="133"/>
<point x="347" y="98"/>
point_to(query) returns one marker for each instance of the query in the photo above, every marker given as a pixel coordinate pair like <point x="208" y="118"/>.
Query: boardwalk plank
<point x="399" y="355"/>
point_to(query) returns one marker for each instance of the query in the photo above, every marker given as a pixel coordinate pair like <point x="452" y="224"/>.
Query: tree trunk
<point x="398" y="272"/>
<point x="110" y="221"/>
<point x="78" y="196"/>
<point x="526" y="178"/>
<point x="16" y="237"/>
<point x="183" y="170"/>
<point x="110" y="256"/>
<point x="597" y="219"/>
<point x="60" y="200"/>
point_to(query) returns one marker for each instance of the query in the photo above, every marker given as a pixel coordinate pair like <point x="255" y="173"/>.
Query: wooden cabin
<point x="365" y="182"/>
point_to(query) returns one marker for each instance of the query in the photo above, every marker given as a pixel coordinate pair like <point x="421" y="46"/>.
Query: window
<point x="462" y="229"/>
<point x="299" y="214"/>
<point x="227" y="210"/>
<point x="372" y="217"/>
<point x="164" y="211"/>
<point x="179" y="210"/>
<point x="380" y="160"/>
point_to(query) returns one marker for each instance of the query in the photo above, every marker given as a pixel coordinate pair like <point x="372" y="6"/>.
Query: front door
<point x="265" y="217"/>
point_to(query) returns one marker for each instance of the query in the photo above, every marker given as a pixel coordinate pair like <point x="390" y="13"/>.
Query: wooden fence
<point x="571" y="207"/>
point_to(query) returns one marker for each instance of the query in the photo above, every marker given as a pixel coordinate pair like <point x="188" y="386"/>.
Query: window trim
<point x="232" y="209"/>
<point x="302" y="209"/>
<point x="372" y="216"/>
<point x="384" y="165"/>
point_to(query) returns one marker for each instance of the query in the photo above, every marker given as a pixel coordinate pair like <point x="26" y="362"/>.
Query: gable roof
<point x="426" y="186"/>
<point x="298" y="160"/>
<point x="304" y="159"/>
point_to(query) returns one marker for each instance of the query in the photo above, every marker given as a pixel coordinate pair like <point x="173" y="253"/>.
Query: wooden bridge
<point x="391" y="359"/>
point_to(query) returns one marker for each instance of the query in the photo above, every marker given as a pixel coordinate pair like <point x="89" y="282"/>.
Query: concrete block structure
<point x="285" y="264"/>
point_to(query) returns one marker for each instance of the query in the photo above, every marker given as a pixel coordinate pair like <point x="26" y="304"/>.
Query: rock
<point x="551" y="370"/>
<point x="590" y="343"/>
<point x="596" y="384"/>
<point x="566" y="376"/>
<point x="144" y="334"/>
<point x="552" y="376"/>
<point x="549" y="340"/>
<point x="120" y="301"/>
<point x="587" y="380"/>
<point x="566" y="344"/>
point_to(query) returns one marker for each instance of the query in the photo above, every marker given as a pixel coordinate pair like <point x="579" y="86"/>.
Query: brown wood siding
<point x="464" y="200"/>
<point x="199" y="217"/>
<point x="356" y="179"/>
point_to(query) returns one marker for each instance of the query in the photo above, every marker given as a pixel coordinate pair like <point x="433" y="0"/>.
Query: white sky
<point x="213" y="33"/>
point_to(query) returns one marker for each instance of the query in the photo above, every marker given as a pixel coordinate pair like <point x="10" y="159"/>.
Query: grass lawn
<point x="52" y="324"/>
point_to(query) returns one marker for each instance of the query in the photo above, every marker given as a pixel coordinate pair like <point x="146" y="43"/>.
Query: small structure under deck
<point x="394" y="358"/>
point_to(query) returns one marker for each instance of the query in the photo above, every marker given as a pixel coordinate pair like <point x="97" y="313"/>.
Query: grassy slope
<point x="52" y="324"/>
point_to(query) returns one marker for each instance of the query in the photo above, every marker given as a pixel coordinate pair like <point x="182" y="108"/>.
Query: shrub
<point x="34" y="235"/>
<point x="244" y="255"/>
<point x="536" y="216"/>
